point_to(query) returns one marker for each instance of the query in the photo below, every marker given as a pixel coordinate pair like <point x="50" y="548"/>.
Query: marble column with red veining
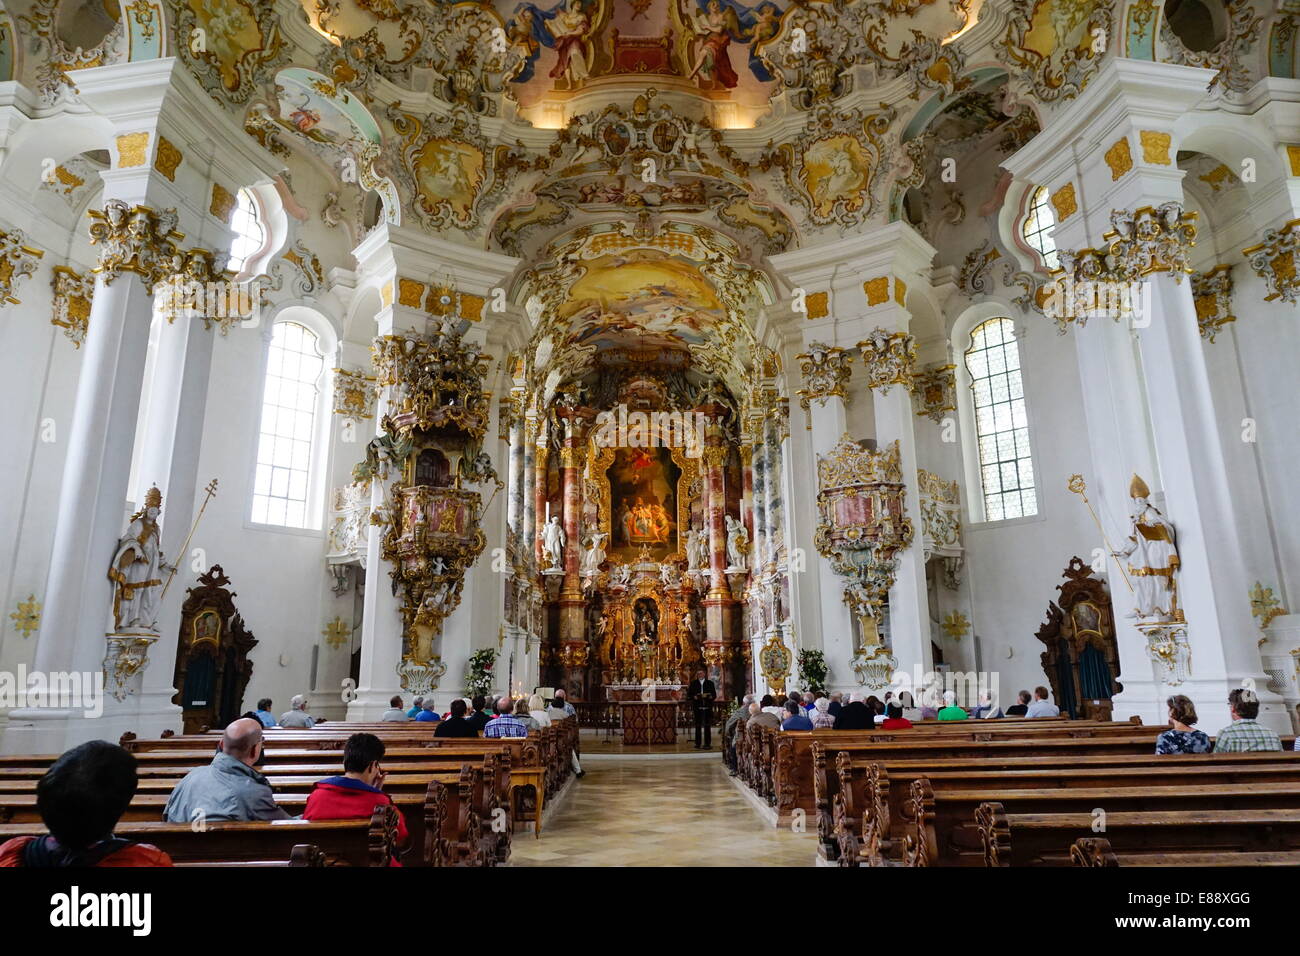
<point x="571" y="484"/>
<point x="714" y="481"/>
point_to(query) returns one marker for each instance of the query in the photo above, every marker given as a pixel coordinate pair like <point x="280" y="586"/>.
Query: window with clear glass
<point x="250" y="234"/>
<point x="1037" y="228"/>
<point x="1001" y="424"/>
<point x="287" y="435"/>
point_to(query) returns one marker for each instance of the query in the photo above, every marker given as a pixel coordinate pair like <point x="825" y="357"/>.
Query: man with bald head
<point x="228" y="788"/>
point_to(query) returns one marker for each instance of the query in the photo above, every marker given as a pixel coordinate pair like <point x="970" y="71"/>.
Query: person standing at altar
<point x="702" y="693"/>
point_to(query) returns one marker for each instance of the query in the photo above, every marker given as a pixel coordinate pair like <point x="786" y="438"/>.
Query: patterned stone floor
<point x="664" y="811"/>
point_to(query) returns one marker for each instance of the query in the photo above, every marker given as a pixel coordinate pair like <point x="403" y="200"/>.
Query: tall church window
<point x="1037" y="228"/>
<point x="288" y="434"/>
<point x="1001" y="425"/>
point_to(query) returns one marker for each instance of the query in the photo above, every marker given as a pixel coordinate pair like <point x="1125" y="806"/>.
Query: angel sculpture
<point x="383" y="452"/>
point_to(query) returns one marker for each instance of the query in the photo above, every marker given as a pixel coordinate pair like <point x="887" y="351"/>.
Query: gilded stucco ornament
<point x="862" y="525"/>
<point x="934" y="391"/>
<point x="134" y="239"/>
<point x="242" y="44"/>
<point x="826" y="372"/>
<point x="73" y="293"/>
<point x="890" y="359"/>
<point x="450" y="168"/>
<point x="56" y="59"/>
<point x="1212" y="297"/>
<point x="18" y="261"/>
<point x="1230" y="57"/>
<point x="1057" y="48"/>
<point x="354" y="393"/>
<point x="833" y="165"/>
<point x="1274" y="261"/>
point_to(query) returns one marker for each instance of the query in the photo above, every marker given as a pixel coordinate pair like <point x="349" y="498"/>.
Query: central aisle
<point x="659" y="811"/>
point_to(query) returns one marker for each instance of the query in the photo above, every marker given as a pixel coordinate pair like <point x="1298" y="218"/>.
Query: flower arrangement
<point x="478" y="672"/>
<point x="812" y="670"/>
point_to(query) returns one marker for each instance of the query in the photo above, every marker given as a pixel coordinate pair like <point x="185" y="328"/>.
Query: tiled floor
<point x="665" y="811"/>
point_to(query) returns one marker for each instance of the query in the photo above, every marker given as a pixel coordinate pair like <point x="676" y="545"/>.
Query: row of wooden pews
<point x="778" y="765"/>
<point x="460" y="797"/>
<point x="1032" y="797"/>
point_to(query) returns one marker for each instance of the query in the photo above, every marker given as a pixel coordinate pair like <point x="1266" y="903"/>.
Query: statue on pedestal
<point x="1153" y="560"/>
<point x="696" y="550"/>
<point x="553" y="543"/>
<point x="737" y="543"/>
<point x="136" y="570"/>
<point x="594" y="556"/>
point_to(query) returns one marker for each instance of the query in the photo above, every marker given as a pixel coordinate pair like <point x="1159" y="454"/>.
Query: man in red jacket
<point x="358" y="791"/>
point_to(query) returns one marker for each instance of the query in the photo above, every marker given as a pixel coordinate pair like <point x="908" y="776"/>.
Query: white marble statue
<point x="1153" y="559"/>
<point x="696" y="550"/>
<point x="553" y="542"/>
<point x="737" y="543"/>
<point x="623" y="575"/>
<point x="137" y="569"/>
<point x="668" y="575"/>
<point x="594" y="556"/>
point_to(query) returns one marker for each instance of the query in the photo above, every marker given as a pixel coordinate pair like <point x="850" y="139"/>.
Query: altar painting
<point x="643" y="500"/>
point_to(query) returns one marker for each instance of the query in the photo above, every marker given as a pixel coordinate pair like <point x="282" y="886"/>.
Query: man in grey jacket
<point x="228" y="788"/>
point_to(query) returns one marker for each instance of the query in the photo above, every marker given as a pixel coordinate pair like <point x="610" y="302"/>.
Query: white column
<point x="909" y="615"/>
<point x="91" y="511"/>
<point x="829" y="423"/>
<point x="1212" y="585"/>
<point x="381" y="621"/>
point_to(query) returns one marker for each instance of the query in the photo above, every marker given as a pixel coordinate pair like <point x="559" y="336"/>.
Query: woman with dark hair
<point x="1181" y="738"/>
<point x="80" y="799"/>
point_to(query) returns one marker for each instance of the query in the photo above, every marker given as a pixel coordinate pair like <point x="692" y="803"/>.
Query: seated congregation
<point x="267" y="792"/>
<point x="892" y="784"/>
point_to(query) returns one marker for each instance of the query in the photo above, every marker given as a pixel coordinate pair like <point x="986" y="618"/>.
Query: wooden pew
<point x="781" y="762"/>
<point x="943" y="830"/>
<point x="369" y="842"/>
<point x="1097" y="852"/>
<point x="304" y="854"/>
<point x="1135" y="838"/>
<point x="527" y="777"/>
<point x="860" y="802"/>
<point x="457" y="813"/>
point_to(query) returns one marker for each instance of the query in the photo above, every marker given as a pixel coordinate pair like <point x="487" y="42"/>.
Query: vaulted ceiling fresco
<point x="535" y="128"/>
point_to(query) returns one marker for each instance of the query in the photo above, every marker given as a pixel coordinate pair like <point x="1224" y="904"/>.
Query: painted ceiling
<point x="531" y="128"/>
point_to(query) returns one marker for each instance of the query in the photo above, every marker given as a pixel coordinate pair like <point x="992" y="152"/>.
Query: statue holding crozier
<point x="1152" y="554"/>
<point x="136" y="571"/>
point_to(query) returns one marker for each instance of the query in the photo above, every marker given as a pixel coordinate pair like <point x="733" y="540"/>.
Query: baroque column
<point x="826" y="372"/>
<point x="418" y="277"/>
<point x="1147" y="398"/>
<point x="157" y="114"/>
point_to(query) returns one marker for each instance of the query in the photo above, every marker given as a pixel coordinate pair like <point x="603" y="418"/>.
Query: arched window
<point x="1006" y="466"/>
<point x="250" y="233"/>
<point x="1037" y="228"/>
<point x="289" y="445"/>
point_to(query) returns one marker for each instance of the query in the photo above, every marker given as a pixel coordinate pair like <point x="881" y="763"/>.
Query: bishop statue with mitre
<point x="136" y="571"/>
<point x="1153" y="559"/>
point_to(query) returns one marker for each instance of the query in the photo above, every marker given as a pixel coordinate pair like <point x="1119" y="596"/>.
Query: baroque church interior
<point x="361" y="348"/>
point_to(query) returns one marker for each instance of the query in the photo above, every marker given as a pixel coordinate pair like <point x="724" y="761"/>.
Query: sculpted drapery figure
<point x="737" y="543"/>
<point x="1153" y="559"/>
<point x="594" y="556"/>
<point x="696" y="548"/>
<point x="137" y="567"/>
<point x="553" y="541"/>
